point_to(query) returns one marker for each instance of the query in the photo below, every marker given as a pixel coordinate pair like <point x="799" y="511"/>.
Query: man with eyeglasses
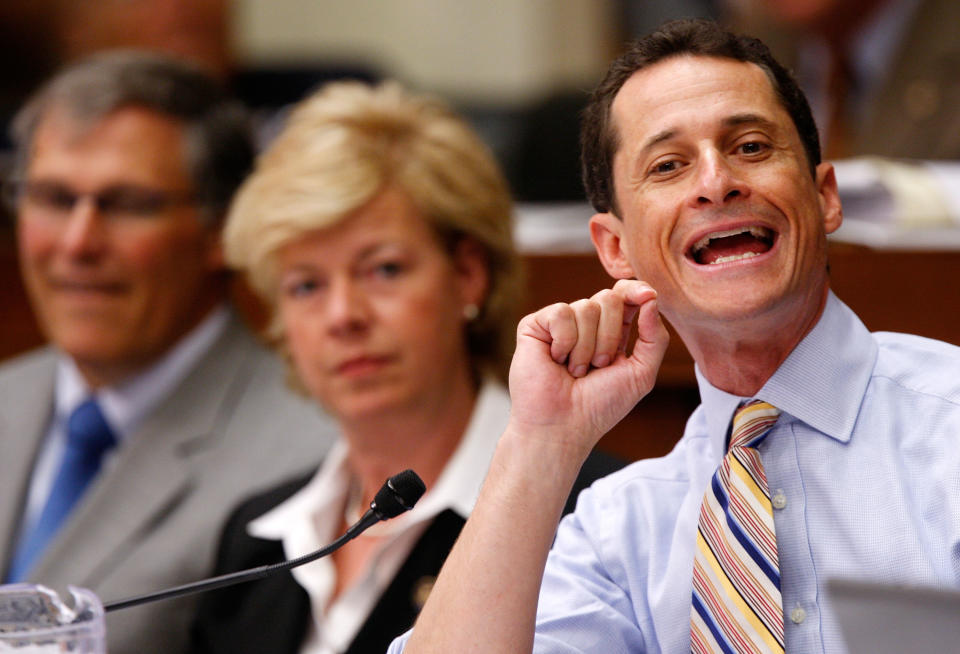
<point x="127" y="440"/>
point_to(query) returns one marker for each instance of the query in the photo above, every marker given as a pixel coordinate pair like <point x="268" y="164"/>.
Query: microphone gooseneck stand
<point x="398" y="494"/>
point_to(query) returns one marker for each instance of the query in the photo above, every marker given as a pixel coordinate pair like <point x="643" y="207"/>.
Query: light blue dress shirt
<point x="863" y="465"/>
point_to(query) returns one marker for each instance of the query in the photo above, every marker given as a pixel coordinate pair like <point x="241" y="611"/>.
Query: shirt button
<point x="779" y="500"/>
<point x="798" y="615"/>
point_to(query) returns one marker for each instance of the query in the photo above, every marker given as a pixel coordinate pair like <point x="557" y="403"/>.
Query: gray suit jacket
<point x="916" y="113"/>
<point x="151" y="520"/>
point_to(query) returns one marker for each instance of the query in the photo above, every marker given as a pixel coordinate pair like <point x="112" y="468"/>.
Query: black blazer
<point x="271" y="615"/>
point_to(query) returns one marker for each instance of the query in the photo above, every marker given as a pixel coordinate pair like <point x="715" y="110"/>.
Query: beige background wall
<point x="472" y="51"/>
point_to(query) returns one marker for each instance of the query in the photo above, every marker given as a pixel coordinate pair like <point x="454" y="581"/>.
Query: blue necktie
<point x="89" y="437"/>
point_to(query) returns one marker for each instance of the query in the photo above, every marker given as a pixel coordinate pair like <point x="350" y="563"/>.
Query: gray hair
<point x="218" y="140"/>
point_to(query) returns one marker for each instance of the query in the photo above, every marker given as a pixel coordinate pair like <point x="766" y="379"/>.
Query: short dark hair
<point x="598" y="138"/>
<point x="218" y="140"/>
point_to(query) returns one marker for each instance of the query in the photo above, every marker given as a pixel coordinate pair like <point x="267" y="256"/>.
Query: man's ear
<point x="829" y="197"/>
<point x="606" y="232"/>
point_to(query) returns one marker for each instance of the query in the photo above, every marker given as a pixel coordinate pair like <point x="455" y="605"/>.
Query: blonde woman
<point x="377" y="228"/>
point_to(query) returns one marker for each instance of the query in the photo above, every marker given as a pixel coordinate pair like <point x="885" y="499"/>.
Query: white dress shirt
<point x="309" y="519"/>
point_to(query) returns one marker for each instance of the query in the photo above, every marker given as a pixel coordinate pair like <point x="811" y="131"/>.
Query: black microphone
<point x="398" y="494"/>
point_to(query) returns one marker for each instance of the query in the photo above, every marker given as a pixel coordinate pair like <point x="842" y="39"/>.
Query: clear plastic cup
<point x="34" y="619"/>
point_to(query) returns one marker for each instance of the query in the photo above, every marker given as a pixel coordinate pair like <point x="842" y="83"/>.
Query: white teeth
<point x="734" y="257"/>
<point x="755" y="230"/>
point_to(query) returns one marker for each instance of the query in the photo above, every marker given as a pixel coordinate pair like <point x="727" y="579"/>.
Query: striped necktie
<point x="736" y="571"/>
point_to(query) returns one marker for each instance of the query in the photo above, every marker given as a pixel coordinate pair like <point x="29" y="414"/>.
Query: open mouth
<point x="732" y="245"/>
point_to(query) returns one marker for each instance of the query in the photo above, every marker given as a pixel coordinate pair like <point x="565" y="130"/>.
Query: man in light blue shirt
<point x="702" y="160"/>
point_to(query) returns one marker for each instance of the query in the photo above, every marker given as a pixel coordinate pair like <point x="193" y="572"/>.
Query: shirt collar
<point x="316" y="508"/>
<point x="312" y="513"/>
<point x="459" y="483"/>
<point x="821" y="383"/>
<point x="126" y="404"/>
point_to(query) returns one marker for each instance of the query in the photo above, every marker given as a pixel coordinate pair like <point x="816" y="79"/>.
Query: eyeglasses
<point x="125" y="201"/>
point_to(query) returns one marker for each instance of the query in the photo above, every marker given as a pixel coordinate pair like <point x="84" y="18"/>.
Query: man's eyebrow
<point x="749" y="119"/>
<point x="665" y="135"/>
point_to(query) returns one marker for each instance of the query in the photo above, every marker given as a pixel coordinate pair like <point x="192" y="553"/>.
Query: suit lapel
<point x="150" y="475"/>
<point x="27" y="392"/>
<point x="273" y="616"/>
<point x="145" y="479"/>
<point x="267" y="615"/>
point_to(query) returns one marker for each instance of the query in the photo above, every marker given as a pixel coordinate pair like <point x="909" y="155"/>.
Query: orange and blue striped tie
<point x="736" y="571"/>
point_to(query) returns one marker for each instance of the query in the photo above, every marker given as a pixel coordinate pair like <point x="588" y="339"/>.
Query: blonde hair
<point x="343" y="146"/>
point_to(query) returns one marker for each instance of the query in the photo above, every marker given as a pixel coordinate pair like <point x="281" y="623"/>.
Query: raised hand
<point x="570" y="382"/>
<point x="571" y="379"/>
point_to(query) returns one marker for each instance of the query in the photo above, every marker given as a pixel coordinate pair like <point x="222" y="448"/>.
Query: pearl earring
<point x="470" y="312"/>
